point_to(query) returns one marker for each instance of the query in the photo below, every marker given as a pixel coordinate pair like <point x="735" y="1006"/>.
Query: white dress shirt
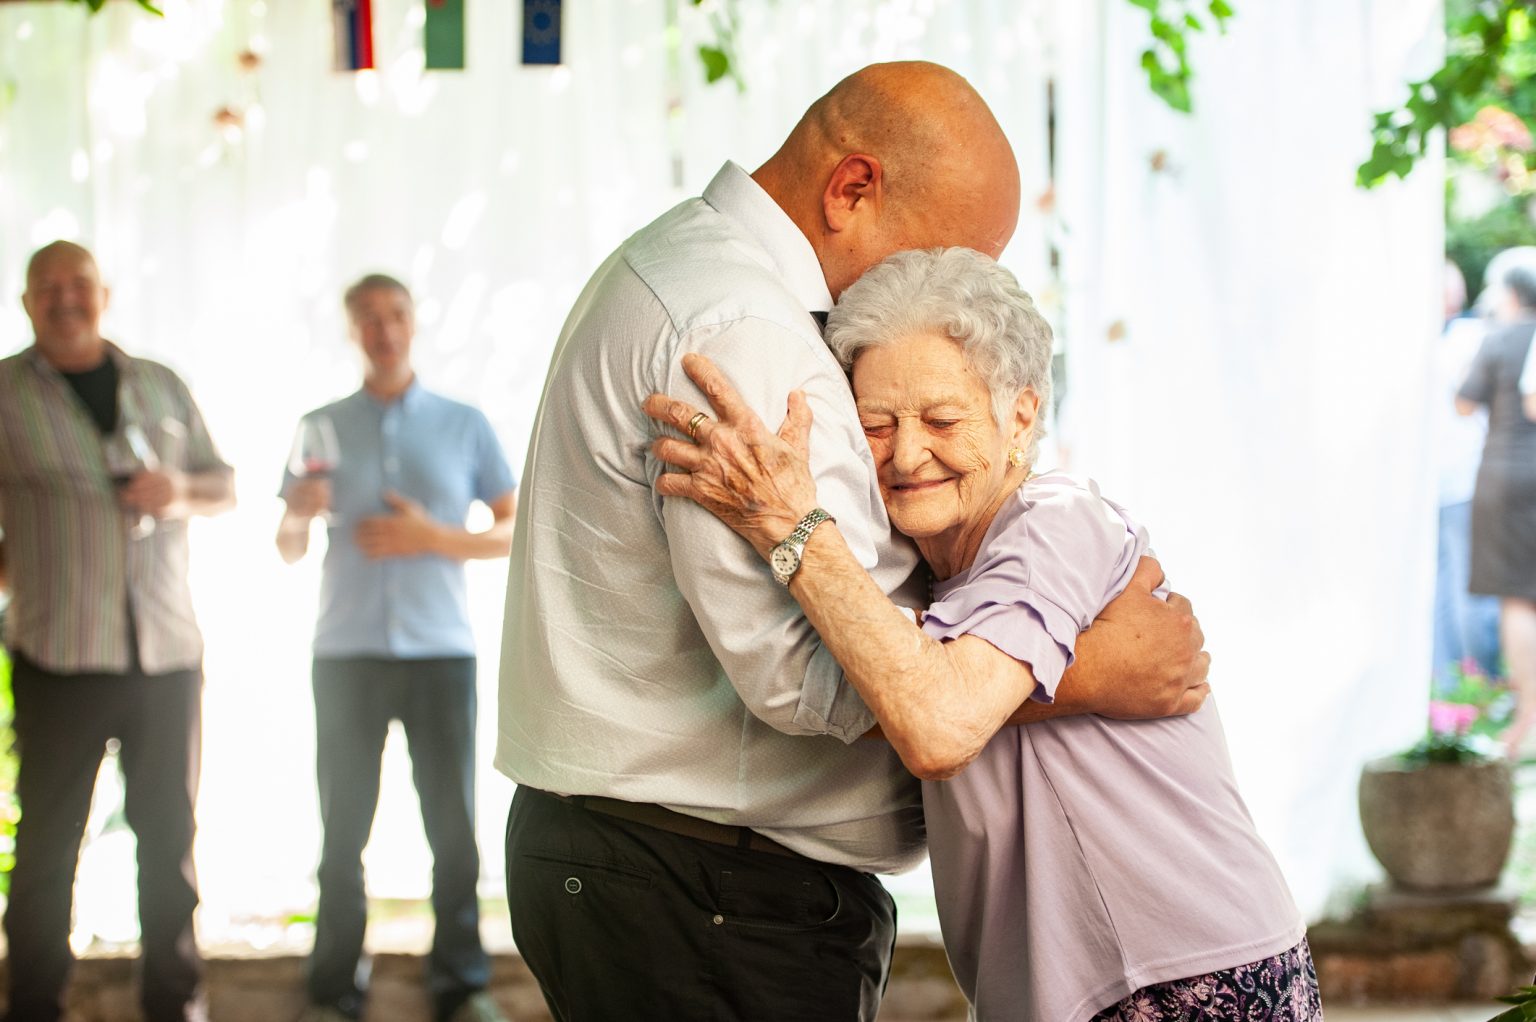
<point x="648" y="655"/>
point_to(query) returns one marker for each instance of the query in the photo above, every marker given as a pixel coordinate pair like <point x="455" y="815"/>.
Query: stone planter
<point x="1438" y="826"/>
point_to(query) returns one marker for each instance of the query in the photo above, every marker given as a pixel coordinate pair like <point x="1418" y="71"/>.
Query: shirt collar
<point x="735" y="195"/>
<point x="114" y="353"/>
<point x="409" y="398"/>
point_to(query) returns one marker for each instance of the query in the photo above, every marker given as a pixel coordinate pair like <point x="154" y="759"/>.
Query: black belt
<point x="662" y="818"/>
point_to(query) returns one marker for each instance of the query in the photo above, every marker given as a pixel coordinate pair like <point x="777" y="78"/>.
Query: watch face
<point x="785" y="560"/>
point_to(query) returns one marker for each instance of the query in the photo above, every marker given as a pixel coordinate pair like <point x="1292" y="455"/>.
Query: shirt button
<point x="573" y="885"/>
<point x="718" y="920"/>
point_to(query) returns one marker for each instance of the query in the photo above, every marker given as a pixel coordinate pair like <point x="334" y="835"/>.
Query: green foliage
<point x="1452" y="747"/>
<point x="1471" y="244"/>
<point x="1524" y="1010"/>
<point x="96" y="5"/>
<point x="1473" y="702"/>
<point x="1166" y="59"/>
<point x="1465" y="719"/>
<point x="1490" y="61"/>
<point x="721" y="60"/>
<point x="717" y="63"/>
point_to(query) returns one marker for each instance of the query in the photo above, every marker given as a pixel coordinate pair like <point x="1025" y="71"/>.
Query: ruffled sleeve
<point x="1054" y="557"/>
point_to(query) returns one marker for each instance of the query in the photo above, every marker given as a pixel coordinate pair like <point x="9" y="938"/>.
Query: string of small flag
<point x="443" y="33"/>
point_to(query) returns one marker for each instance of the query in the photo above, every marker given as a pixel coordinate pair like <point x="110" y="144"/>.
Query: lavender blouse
<point x="1078" y="860"/>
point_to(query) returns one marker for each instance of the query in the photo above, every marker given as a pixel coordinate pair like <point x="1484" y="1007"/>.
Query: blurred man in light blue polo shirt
<point x="394" y="642"/>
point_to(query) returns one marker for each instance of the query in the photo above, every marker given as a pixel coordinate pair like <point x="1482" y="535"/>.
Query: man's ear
<point x="106" y="297"/>
<point x="853" y="188"/>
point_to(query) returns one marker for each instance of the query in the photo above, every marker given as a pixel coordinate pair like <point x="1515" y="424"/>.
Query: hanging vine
<point x="1165" y="59"/>
<point x="96" y="5"/>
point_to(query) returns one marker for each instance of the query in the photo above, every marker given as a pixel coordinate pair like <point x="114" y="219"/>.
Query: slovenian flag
<point x="354" y="34"/>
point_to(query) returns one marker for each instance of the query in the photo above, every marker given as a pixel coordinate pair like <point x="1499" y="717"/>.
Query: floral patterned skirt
<point x="1278" y="989"/>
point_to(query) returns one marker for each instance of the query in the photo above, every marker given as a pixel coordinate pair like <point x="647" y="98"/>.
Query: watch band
<point x="807" y="525"/>
<point x="785" y="560"/>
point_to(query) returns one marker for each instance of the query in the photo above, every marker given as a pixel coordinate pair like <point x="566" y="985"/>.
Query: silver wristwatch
<point x="785" y="558"/>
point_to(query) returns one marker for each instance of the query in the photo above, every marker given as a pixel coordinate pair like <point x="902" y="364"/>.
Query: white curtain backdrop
<point x="1259" y="414"/>
<point x="1263" y="409"/>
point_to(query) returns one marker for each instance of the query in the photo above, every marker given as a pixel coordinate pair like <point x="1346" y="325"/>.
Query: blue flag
<point x="541" y="31"/>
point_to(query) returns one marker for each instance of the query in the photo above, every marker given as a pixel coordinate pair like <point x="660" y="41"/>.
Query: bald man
<point x="101" y="629"/>
<point x="697" y="822"/>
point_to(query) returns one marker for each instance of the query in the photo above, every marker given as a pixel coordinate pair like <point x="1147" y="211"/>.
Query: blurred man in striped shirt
<point x="103" y="457"/>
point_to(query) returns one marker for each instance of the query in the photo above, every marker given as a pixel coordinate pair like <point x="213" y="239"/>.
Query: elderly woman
<point x="1084" y="868"/>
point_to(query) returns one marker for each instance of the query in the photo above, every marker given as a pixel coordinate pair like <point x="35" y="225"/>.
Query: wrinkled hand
<point x="758" y="483"/>
<point x="1143" y="658"/>
<point x="406" y="533"/>
<point x="308" y="497"/>
<point x="154" y="492"/>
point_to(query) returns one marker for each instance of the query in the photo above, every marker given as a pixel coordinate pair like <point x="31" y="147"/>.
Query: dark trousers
<point x="355" y="699"/>
<point x="63" y="723"/>
<point x="622" y="921"/>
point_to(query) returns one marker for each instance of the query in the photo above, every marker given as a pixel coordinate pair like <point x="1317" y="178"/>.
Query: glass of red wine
<point x="128" y="452"/>
<point x="316" y="454"/>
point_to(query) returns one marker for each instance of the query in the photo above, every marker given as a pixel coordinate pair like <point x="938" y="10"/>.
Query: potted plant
<point x="1440" y="816"/>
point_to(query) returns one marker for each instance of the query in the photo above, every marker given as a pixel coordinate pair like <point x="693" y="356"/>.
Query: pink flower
<point x="1506" y="129"/>
<point x="1466" y="138"/>
<point x="1451" y="718"/>
<point x="1492" y="128"/>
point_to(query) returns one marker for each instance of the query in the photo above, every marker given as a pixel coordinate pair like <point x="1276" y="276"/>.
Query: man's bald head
<point x="60" y="252"/>
<point x="901" y="155"/>
<point x="64" y="300"/>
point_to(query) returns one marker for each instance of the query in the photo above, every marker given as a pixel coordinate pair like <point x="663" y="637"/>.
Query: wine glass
<point x="128" y="452"/>
<point x="316" y="453"/>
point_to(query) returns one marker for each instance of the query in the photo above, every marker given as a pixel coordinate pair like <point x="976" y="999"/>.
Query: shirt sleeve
<point x="1041" y="579"/>
<point x="201" y="454"/>
<point x="494" y="477"/>
<point x="1480" y="382"/>
<point x="770" y="652"/>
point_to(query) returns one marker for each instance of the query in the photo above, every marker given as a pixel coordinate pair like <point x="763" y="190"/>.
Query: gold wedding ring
<point x="693" y="425"/>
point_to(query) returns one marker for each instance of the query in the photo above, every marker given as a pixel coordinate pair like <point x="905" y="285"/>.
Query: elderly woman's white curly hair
<point x="965" y="295"/>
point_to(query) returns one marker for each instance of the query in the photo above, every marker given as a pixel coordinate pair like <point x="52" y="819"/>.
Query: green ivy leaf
<point x="1220" y="10"/>
<point x="147" y="5"/>
<point x="1524" y="1013"/>
<point x="1174" y="92"/>
<point x="717" y="63"/>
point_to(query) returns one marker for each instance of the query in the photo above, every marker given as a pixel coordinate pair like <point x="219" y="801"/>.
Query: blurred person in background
<point x="1504" y="501"/>
<point x="1466" y="635"/>
<point x="103" y="458"/>
<point x="393" y="470"/>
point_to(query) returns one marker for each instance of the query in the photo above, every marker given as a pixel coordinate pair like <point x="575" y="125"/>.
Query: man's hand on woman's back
<point x="1142" y="659"/>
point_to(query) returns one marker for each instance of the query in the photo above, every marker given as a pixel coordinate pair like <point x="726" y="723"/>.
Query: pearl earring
<point x="1016" y="457"/>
